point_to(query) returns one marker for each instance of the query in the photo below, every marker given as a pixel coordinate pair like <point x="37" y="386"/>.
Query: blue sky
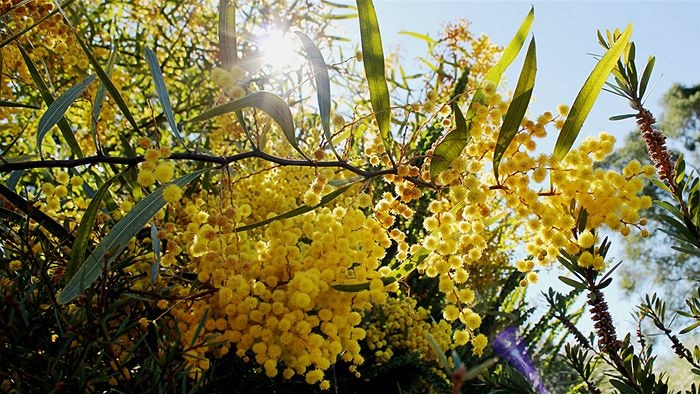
<point x="565" y="32"/>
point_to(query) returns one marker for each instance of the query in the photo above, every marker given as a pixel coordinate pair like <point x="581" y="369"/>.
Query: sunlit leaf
<point x="59" y="107"/>
<point x="690" y="328"/>
<point x="323" y="85"/>
<point x="117" y="238"/>
<point x="373" y="59"/>
<point x="670" y="208"/>
<point x="587" y="96"/>
<point x="452" y="145"/>
<point x="339" y="16"/>
<point x="518" y="106"/>
<point x="227" y="34"/>
<point x="272" y="104"/>
<point x="422" y="37"/>
<point x="162" y="91"/>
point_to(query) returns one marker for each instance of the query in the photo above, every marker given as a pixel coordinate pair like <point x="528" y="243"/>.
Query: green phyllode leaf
<point x="162" y="91"/>
<point x="588" y="94"/>
<point x="63" y="125"/>
<point x="452" y="145"/>
<point x="227" y="34"/>
<point x="271" y="103"/>
<point x="59" y="107"/>
<point x="646" y="74"/>
<point x="323" y="85"/>
<point x="100" y="96"/>
<point x="82" y="236"/>
<point x="117" y="238"/>
<point x="518" y="106"/>
<point x="373" y="59"/>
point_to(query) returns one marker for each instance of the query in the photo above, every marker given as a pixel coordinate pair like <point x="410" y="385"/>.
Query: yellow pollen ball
<point x="163" y="172"/>
<point x="172" y="193"/>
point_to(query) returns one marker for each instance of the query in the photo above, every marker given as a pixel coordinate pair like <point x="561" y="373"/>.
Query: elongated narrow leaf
<point x="227" y="34"/>
<point x="297" y="211"/>
<point x="621" y="117"/>
<point x="59" y="107"/>
<point x="155" y="266"/>
<point x="82" y="235"/>
<point x="117" y="238"/>
<point x="106" y="80"/>
<point x="373" y="59"/>
<point x="100" y="95"/>
<point x="452" y="145"/>
<point x="690" y="328"/>
<point x="199" y="327"/>
<point x="587" y="96"/>
<point x="422" y="37"/>
<point x="572" y="283"/>
<point x="518" y="106"/>
<point x="323" y="85"/>
<point x="272" y="104"/>
<point x="439" y="353"/>
<point x="63" y="125"/>
<point x="644" y="82"/>
<point x="163" y="95"/>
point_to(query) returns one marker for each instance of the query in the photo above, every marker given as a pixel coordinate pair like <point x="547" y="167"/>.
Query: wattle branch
<point x="205" y="158"/>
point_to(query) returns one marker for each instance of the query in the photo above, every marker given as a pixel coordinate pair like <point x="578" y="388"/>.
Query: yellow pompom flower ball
<point x="163" y="172"/>
<point x="172" y="193"/>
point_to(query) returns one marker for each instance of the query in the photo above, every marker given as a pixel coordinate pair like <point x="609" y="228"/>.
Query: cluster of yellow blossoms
<point x="275" y="300"/>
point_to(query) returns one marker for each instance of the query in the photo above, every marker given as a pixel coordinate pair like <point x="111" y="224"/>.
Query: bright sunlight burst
<point x="280" y="49"/>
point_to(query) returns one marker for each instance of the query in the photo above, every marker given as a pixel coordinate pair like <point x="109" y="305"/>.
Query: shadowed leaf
<point x="82" y="235"/>
<point x="117" y="238"/>
<point x="323" y="85"/>
<point x="59" y="107"/>
<point x="163" y="95"/>
<point x="63" y="125"/>
<point x="272" y="104"/>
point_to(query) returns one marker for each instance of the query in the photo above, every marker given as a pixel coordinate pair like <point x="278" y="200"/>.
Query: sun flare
<point x="279" y="49"/>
